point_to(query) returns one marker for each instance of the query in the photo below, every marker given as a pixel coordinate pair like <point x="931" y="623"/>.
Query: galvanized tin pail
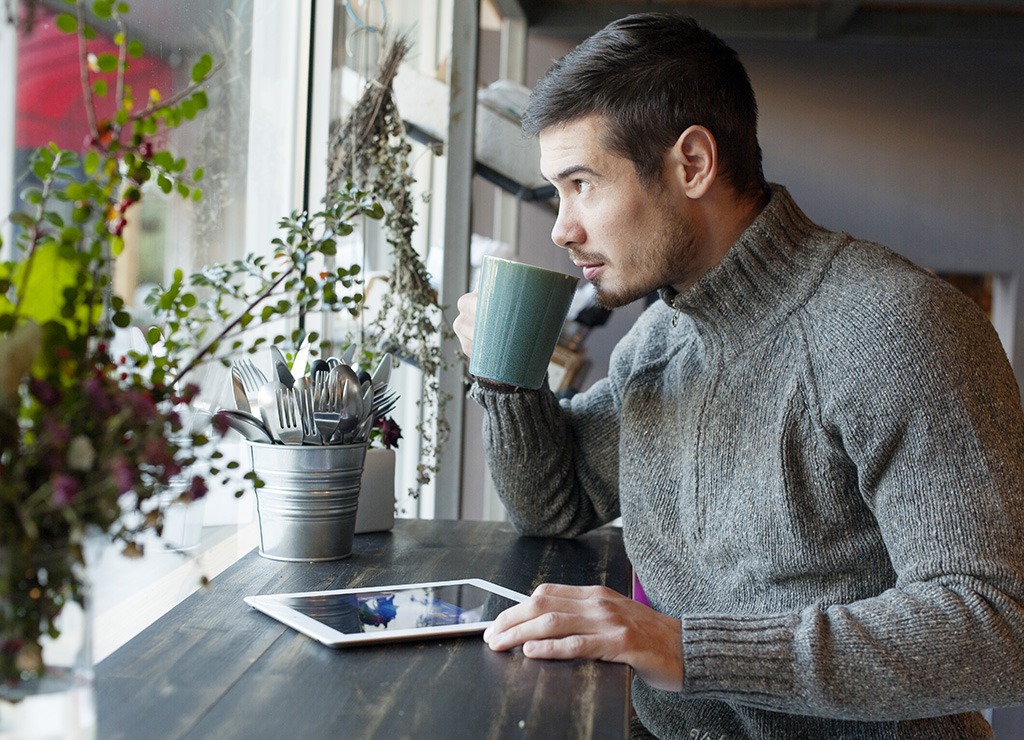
<point x="307" y="504"/>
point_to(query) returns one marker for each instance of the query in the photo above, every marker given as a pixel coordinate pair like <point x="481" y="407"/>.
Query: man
<point x="816" y="448"/>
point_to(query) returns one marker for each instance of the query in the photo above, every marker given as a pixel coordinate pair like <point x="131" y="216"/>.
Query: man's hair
<point x="651" y="76"/>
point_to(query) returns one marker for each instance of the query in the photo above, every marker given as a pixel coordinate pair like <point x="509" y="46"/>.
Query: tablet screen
<point x="376" y="614"/>
<point x="401" y="609"/>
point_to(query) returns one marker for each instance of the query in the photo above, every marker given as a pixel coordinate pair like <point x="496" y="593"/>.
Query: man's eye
<point x="581" y="185"/>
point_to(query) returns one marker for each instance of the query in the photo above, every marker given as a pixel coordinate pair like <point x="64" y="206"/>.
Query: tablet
<point x="410" y="611"/>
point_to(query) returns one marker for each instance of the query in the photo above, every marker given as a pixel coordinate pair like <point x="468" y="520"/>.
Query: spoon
<point x="350" y="404"/>
<point x="245" y="424"/>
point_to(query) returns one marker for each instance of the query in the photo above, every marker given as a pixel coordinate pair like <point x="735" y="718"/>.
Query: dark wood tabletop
<point x="215" y="668"/>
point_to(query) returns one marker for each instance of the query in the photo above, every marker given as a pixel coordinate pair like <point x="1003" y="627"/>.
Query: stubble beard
<point x="670" y="260"/>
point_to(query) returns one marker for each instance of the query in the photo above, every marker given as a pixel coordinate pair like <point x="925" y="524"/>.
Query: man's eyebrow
<point x="576" y="169"/>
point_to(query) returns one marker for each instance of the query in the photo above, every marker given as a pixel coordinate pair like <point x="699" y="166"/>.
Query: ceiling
<point x="968" y="21"/>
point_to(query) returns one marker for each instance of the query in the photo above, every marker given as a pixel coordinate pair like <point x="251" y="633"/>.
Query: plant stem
<point x="83" y="71"/>
<point x="34" y="241"/>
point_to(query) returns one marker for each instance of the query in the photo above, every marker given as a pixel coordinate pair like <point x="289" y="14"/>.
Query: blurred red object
<point x="50" y="105"/>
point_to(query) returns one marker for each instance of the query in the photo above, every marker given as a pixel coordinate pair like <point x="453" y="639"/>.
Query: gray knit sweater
<point x="818" y="455"/>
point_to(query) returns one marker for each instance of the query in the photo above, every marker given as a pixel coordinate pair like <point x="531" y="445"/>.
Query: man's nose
<point x="566" y="232"/>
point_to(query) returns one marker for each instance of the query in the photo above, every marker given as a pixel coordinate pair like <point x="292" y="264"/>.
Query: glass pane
<point x="163" y="232"/>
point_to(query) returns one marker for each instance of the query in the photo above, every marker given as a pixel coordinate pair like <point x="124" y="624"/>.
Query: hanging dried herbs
<point x="370" y="147"/>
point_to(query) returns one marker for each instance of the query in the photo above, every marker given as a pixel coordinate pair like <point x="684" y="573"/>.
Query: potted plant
<point x="88" y="435"/>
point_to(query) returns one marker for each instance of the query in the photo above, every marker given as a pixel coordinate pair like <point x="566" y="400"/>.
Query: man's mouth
<point x="591" y="268"/>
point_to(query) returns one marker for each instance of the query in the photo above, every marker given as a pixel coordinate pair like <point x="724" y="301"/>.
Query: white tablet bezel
<point x="269" y="605"/>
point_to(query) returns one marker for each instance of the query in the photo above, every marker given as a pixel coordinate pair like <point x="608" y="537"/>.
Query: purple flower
<point x="124" y="476"/>
<point x="196" y="489"/>
<point x="45" y="393"/>
<point x="141" y="404"/>
<point x="64" y="489"/>
<point x="57" y="433"/>
<point x="390" y="432"/>
<point x="220" y="423"/>
<point x="98" y="398"/>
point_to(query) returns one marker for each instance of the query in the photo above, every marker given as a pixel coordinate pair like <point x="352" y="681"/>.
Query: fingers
<point x="565" y="622"/>
<point x="465" y="322"/>
<point x="552" y="612"/>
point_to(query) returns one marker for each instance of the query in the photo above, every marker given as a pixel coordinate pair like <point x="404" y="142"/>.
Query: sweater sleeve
<point x="926" y="407"/>
<point x="554" y="464"/>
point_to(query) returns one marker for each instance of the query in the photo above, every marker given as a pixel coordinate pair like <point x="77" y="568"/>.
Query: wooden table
<point x="214" y="668"/>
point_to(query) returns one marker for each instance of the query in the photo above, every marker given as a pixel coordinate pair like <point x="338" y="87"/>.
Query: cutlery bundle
<point x="331" y="404"/>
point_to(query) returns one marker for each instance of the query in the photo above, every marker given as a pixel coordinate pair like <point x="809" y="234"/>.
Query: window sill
<point x="129" y="594"/>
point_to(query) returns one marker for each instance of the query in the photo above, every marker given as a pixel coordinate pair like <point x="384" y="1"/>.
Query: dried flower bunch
<point x="370" y="147"/>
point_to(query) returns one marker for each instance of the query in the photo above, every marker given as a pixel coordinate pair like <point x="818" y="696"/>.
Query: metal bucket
<point x="307" y="505"/>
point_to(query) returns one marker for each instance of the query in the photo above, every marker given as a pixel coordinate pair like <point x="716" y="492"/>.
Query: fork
<point x="325" y="403"/>
<point x="289" y="429"/>
<point x="251" y="377"/>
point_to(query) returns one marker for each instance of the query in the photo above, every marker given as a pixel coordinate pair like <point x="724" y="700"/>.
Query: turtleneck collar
<point x="768" y="273"/>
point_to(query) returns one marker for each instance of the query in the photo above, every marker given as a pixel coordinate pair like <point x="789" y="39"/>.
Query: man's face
<point x="630" y="238"/>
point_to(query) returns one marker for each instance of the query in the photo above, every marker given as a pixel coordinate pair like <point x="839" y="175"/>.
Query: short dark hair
<point x="652" y="76"/>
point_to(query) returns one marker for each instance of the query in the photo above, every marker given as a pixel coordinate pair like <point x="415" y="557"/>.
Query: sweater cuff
<point x="750" y="657"/>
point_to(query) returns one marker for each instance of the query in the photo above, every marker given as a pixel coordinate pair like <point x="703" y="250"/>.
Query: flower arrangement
<point x="90" y="438"/>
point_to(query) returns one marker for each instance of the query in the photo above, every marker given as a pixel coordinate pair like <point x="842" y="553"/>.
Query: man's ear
<point x="694" y="160"/>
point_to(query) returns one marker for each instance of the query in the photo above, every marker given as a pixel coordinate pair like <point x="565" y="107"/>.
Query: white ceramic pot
<point x="376" y="512"/>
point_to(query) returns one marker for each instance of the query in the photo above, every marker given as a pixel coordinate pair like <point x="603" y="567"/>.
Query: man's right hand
<point x="466" y="321"/>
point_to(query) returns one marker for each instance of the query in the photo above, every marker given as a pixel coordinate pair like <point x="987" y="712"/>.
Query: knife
<point x="238" y="391"/>
<point x="382" y="375"/>
<point x="301" y="358"/>
<point x="281" y="366"/>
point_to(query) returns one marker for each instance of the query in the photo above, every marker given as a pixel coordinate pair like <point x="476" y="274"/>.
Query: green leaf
<point x="103" y="8"/>
<point x="135" y="49"/>
<point x="164" y="160"/>
<point x="199" y="100"/>
<point x="121" y="319"/>
<point x="202" y="68"/>
<point x="198" y="173"/>
<point x="91" y="162"/>
<point x="164" y="182"/>
<point x="32" y="195"/>
<point x="41" y="170"/>
<point x="71" y="235"/>
<point x="66" y="23"/>
<point x="99" y="88"/>
<point x="106" y="62"/>
<point x="153" y="335"/>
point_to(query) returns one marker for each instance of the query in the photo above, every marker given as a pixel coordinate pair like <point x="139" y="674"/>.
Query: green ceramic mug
<point x="519" y="314"/>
